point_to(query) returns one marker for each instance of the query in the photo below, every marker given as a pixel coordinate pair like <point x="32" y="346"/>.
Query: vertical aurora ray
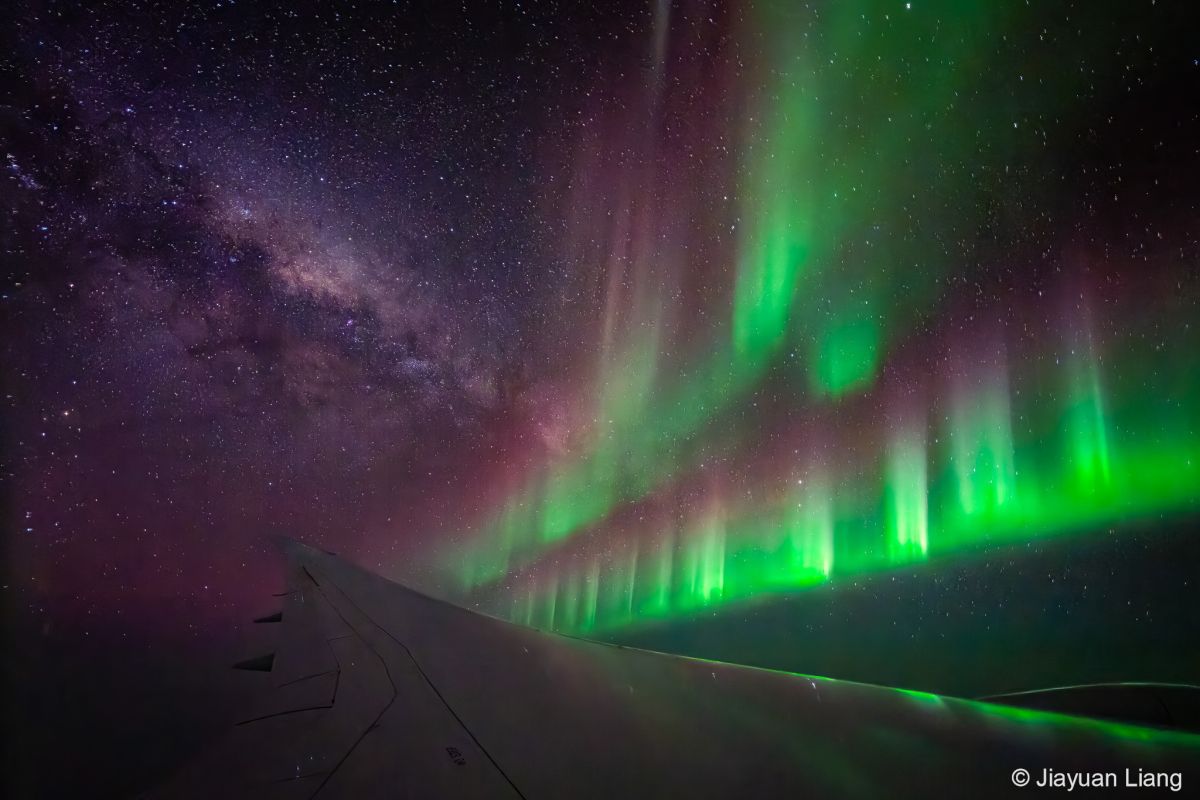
<point x="551" y="605"/>
<point x="656" y="588"/>
<point x="982" y="459"/>
<point x="810" y="533"/>
<point x="780" y="214"/>
<point x="1086" y="422"/>
<point x="702" y="562"/>
<point x="712" y="561"/>
<point x="569" y="603"/>
<point x="590" y="596"/>
<point x="906" y="497"/>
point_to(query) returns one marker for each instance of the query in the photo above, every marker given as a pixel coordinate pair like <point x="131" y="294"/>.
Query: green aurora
<point x="1020" y="429"/>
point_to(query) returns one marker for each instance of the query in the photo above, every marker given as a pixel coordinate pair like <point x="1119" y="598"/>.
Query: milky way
<point x="628" y="321"/>
<point x="247" y="259"/>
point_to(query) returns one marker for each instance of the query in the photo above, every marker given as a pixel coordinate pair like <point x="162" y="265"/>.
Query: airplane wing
<point x="379" y="691"/>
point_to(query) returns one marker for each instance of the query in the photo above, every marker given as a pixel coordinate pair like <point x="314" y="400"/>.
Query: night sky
<point x="852" y="338"/>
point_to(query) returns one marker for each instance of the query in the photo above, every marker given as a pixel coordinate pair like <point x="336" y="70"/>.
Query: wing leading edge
<point x="379" y="691"/>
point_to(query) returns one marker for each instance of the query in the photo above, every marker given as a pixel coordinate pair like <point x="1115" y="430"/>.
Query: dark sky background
<point x="297" y="270"/>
